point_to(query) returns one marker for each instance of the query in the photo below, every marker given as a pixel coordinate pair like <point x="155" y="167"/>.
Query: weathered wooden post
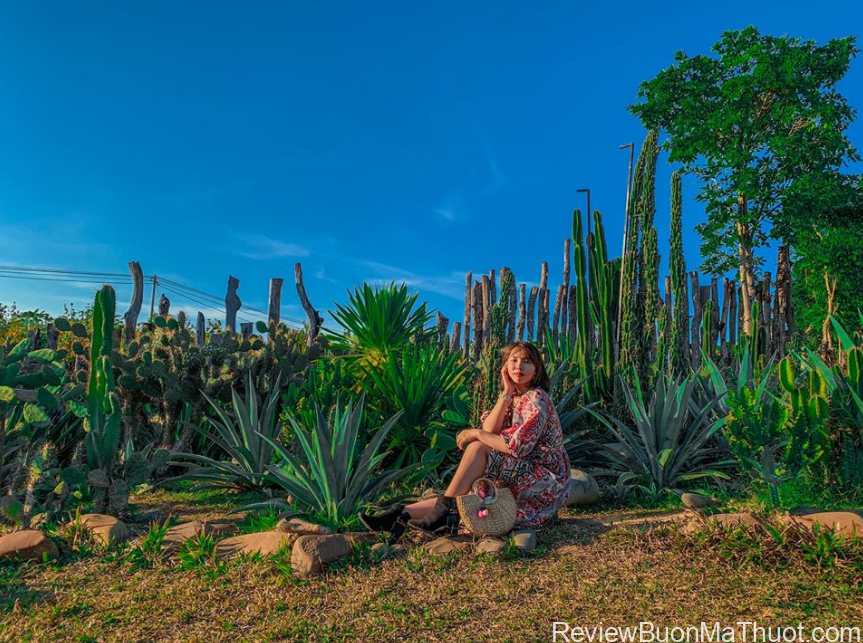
<point x="468" y="280"/>
<point x="542" y="314"/>
<point x="442" y="326"/>
<point x="455" y="341"/>
<point x="274" y="312"/>
<point x="478" y="321"/>
<point x="51" y="336"/>
<point x="487" y="285"/>
<point x="545" y="316"/>
<point x="130" y="318"/>
<point x="164" y="305"/>
<point x="559" y="303"/>
<point x="200" y="330"/>
<point x="531" y="305"/>
<point x="695" y="333"/>
<point x="521" y="312"/>
<point x="232" y="305"/>
<point x="246" y="330"/>
<point x="315" y="320"/>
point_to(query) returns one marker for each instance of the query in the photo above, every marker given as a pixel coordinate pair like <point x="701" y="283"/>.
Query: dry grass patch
<point x="583" y="572"/>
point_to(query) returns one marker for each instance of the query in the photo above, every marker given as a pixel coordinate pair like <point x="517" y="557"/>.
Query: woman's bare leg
<point x="471" y="467"/>
<point x="418" y="510"/>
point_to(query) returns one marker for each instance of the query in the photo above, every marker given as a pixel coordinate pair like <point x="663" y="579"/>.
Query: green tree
<point x="759" y="124"/>
<point x="828" y="253"/>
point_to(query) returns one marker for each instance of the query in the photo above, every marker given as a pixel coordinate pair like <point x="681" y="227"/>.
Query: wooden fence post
<point x="232" y="305"/>
<point x="164" y="305"/>
<point x="315" y="320"/>
<point x="130" y="318"/>
<point x="468" y="280"/>
<point x="274" y="312"/>
<point x="200" y="330"/>
<point x="521" y="312"/>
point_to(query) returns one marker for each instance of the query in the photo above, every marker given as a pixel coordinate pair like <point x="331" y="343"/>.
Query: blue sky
<point x="369" y="141"/>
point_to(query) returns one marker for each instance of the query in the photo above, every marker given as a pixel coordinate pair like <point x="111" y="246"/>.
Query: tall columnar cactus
<point x="678" y="342"/>
<point x="103" y="404"/>
<point x="583" y="339"/>
<point x="649" y="288"/>
<point x="647" y="299"/>
<point x="603" y="304"/>
<point x="630" y="338"/>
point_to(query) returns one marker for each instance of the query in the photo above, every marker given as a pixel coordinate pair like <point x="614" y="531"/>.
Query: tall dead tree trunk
<point x="315" y="319"/>
<point x="130" y="318"/>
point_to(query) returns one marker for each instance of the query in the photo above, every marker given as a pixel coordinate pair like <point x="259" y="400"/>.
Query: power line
<point x="124" y="279"/>
<point x="216" y="298"/>
<point x="64" y="272"/>
<point x="203" y="303"/>
<point x="65" y="279"/>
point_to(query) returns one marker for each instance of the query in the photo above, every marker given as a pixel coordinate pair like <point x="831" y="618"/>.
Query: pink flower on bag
<point x="482" y="513"/>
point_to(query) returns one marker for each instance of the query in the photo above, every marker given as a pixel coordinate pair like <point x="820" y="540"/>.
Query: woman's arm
<point x="494" y="441"/>
<point x="494" y="422"/>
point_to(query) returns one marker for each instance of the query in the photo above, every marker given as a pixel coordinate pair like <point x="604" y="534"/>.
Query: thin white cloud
<point x="262" y="248"/>
<point x="455" y="203"/>
<point x="451" y="285"/>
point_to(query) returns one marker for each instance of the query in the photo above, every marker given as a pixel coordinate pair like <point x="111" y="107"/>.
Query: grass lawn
<point x="584" y="573"/>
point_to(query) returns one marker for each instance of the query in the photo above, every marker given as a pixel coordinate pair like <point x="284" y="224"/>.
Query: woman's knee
<point x="476" y="448"/>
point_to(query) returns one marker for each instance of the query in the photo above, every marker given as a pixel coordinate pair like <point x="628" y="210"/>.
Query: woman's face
<point x="520" y="367"/>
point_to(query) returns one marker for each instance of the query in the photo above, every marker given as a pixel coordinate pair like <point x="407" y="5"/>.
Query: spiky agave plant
<point x="415" y="382"/>
<point x="245" y="436"/>
<point x="332" y="473"/>
<point x="377" y="321"/>
<point x="670" y="444"/>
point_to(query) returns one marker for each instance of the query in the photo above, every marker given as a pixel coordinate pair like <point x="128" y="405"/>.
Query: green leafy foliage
<point x="245" y="436"/>
<point x="376" y="321"/>
<point x="671" y="444"/>
<point x="332" y="472"/>
<point x="414" y="383"/>
<point x="775" y="437"/>
<point x="759" y="123"/>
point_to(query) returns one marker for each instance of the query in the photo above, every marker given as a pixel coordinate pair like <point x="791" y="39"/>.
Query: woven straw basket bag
<point x="498" y="505"/>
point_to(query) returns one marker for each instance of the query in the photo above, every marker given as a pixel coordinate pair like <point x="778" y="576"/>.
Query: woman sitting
<point x="520" y="446"/>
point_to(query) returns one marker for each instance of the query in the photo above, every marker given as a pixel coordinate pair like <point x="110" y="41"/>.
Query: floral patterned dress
<point x="537" y="471"/>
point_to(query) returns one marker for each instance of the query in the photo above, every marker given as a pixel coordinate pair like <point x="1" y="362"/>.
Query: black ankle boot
<point x="386" y="521"/>
<point x="443" y="517"/>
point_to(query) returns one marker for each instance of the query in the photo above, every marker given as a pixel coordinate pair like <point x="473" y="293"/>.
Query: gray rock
<point x="105" y="530"/>
<point x="311" y="553"/>
<point x="696" y="501"/>
<point x="29" y="545"/>
<point x="583" y="488"/>
<point x="489" y="545"/>
<point x="448" y="544"/>
<point x="302" y="527"/>
<point x="841" y="522"/>
<point x="524" y="540"/>
<point x="264" y="543"/>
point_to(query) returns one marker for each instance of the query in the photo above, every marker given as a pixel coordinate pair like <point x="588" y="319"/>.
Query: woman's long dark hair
<point x="540" y="378"/>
